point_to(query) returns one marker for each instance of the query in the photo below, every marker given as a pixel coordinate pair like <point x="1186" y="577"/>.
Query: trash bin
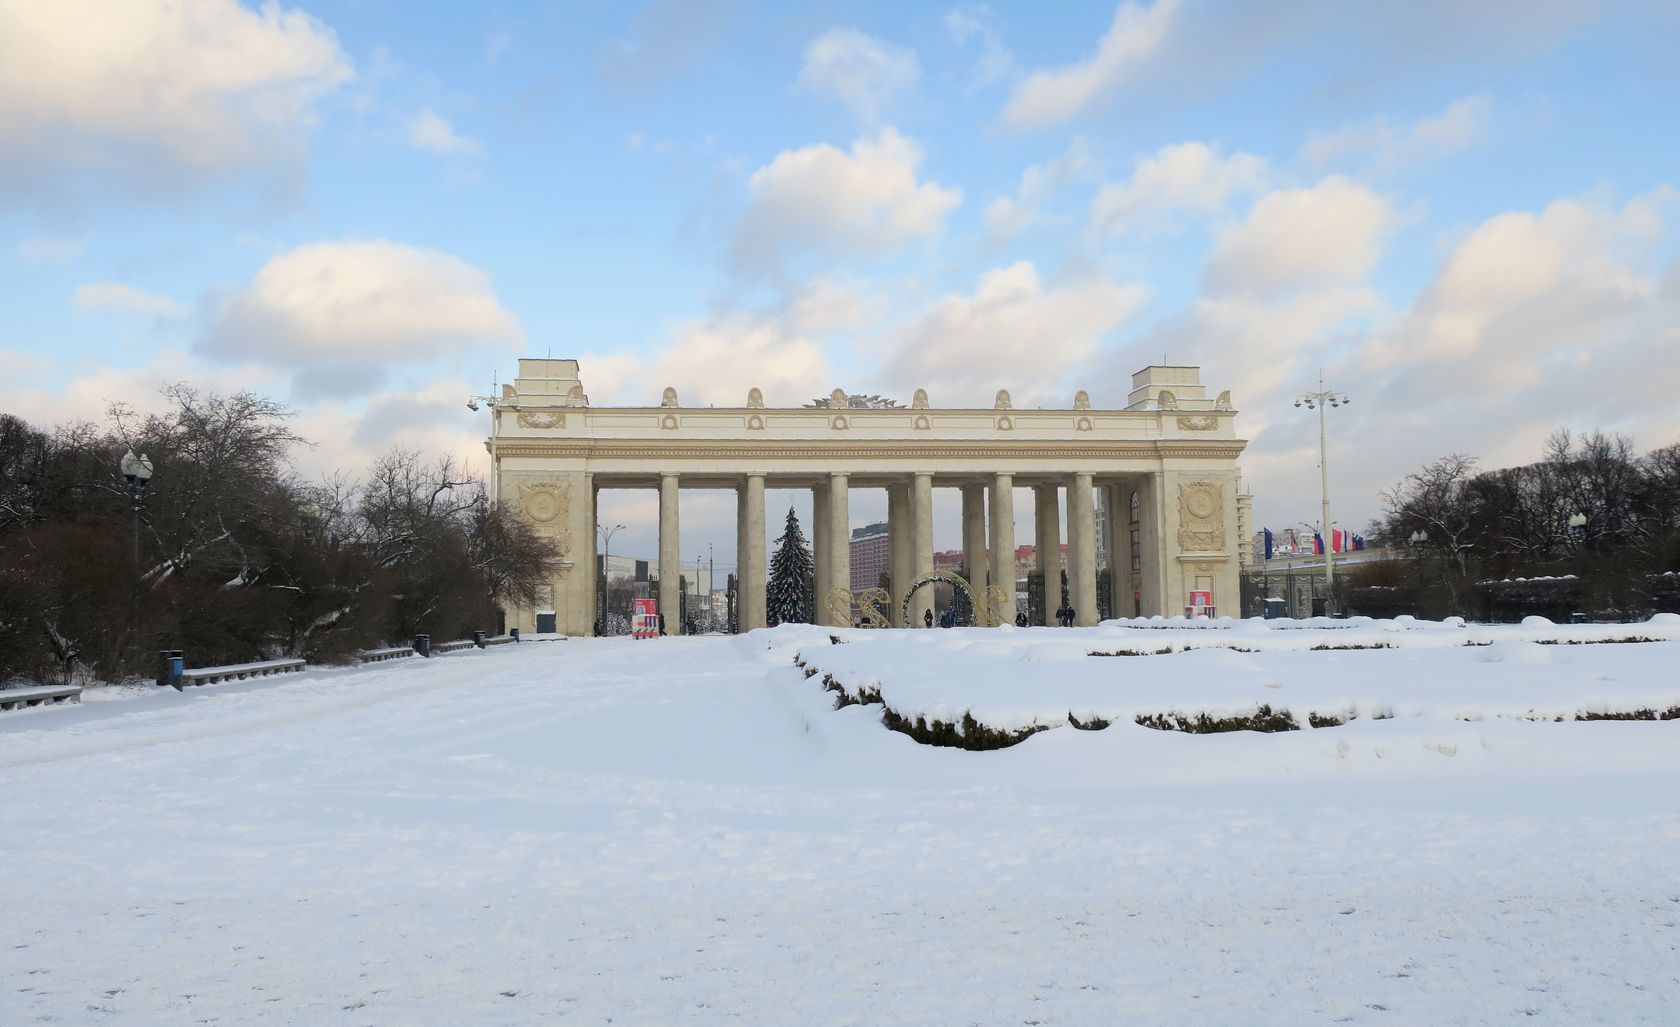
<point x="478" y="639"/>
<point x="423" y="645"/>
<point x="1275" y="609"/>
<point x="515" y="634"/>
<point x="171" y="664"/>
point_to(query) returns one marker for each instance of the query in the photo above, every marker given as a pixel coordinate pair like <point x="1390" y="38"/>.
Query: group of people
<point x="1064" y="617"/>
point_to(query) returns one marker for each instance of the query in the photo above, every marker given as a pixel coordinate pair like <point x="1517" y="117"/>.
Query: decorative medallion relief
<point x="755" y="423"/>
<point x="1197" y="422"/>
<point x="1083" y="424"/>
<point x="1168" y="400"/>
<point x="1201" y="517"/>
<point x="922" y="423"/>
<point x="668" y="422"/>
<point x="546" y="504"/>
<point x="839" y="423"/>
<point x="541" y="419"/>
<point x="1005" y="423"/>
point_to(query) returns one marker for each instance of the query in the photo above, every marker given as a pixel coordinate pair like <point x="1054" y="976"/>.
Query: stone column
<point x="1002" y="518"/>
<point x="1152" y="549"/>
<point x="593" y="577"/>
<point x="821" y="559"/>
<point x="1119" y="549"/>
<point x="1082" y="550"/>
<point x="974" y="535"/>
<point x="921" y="505"/>
<point x="839" y="544"/>
<point x="670" y="555"/>
<point x="974" y="545"/>
<point x="1047" y="540"/>
<point x="901" y="539"/>
<point x="753" y="570"/>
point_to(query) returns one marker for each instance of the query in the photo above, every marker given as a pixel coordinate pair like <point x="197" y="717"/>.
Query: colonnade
<point x="988" y="540"/>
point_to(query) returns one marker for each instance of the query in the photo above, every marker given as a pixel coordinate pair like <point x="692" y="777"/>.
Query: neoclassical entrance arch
<point x="1173" y="514"/>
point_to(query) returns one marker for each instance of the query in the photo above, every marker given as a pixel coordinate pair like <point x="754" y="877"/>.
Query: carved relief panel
<point x="1201" y="517"/>
<point x="548" y="504"/>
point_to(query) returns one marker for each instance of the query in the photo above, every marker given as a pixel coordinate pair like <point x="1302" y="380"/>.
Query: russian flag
<point x="1318" y="544"/>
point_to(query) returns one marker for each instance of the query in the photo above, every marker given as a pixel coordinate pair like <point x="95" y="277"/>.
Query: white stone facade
<point x="1170" y="447"/>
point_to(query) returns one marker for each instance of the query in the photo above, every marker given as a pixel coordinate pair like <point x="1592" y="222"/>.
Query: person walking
<point x="1068" y="617"/>
<point x="927" y="618"/>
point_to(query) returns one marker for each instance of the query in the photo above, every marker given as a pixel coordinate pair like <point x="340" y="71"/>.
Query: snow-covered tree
<point x="792" y="578"/>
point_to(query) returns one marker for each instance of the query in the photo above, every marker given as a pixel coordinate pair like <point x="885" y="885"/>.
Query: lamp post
<point x="606" y="570"/>
<point x="1319" y="400"/>
<point x="138" y="472"/>
<point x="1577" y="528"/>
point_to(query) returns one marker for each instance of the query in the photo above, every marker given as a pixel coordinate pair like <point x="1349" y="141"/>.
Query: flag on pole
<point x="1267" y="533"/>
<point x="1318" y="544"/>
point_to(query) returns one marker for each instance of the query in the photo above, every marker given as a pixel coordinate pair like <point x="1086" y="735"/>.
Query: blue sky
<point x="1464" y="213"/>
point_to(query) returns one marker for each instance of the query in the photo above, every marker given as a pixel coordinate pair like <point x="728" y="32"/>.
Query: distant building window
<point x="1137" y="559"/>
<point x="1137" y="508"/>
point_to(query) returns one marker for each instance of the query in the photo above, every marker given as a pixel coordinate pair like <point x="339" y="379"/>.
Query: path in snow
<point x="685" y="830"/>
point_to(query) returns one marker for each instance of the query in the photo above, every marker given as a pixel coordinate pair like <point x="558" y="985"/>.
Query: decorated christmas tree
<point x="789" y="597"/>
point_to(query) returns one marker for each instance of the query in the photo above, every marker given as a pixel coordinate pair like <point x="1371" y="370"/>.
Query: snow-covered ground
<point x="1013" y="679"/>
<point x="686" y="830"/>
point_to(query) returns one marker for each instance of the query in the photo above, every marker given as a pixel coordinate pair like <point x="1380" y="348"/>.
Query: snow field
<point x="685" y="830"/>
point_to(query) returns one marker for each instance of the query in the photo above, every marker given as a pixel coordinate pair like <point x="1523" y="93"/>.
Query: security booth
<point x="1275" y="608"/>
<point x="545" y="622"/>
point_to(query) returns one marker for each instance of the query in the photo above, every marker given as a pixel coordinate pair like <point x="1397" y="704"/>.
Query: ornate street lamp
<point x="1319" y="400"/>
<point x="138" y="472"/>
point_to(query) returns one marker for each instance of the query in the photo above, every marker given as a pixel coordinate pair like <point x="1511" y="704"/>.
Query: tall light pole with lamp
<point x="137" y="470"/>
<point x="1319" y="400"/>
<point x="606" y="569"/>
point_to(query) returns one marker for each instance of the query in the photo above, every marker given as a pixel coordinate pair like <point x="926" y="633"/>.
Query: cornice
<point x="784" y="449"/>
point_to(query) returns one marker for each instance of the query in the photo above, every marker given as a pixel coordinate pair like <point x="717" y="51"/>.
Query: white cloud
<point x="973" y="24"/>
<point x="430" y="130"/>
<point x="1011" y="333"/>
<point x="1048" y="97"/>
<point x="1533" y="321"/>
<point x="1388" y="148"/>
<point x="145" y="92"/>
<point x="824" y="200"/>
<point x="338" y="312"/>
<point x="46" y="250"/>
<point x="1182" y="176"/>
<point x="86" y="395"/>
<point x="1295" y="238"/>
<point x="117" y="295"/>
<point x="1524" y="288"/>
<point x="715" y="360"/>
<point x="858" y="70"/>
<point x="666" y="38"/>
<point x="1008" y="216"/>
